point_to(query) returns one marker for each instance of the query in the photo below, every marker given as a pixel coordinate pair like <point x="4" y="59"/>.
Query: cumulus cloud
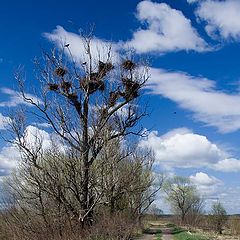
<point x="15" y="98"/>
<point x="77" y="46"/>
<point x="228" y="165"/>
<point x="182" y="148"/>
<point x="207" y="185"/>
<point x="35" y="136"/>
<point x="222" y="18"/>
<point x="10" y="156"/>
<point x="167" y="30"/>
<point x="200" y="96"/>
<point x="213" y="189"/>
<point x="3" y="122"/>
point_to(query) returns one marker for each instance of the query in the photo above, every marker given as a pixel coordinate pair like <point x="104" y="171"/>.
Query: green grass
<point x="159" y="236"/>
<point x="176" y="230"/>
<point x="170" y="225"/>
<point x="186" y="236"/>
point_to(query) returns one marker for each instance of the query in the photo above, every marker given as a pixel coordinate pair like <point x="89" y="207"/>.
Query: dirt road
<point x="153" y="229"/>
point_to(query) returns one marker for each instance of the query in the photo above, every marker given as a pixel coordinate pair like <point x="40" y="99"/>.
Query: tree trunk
<point x="183" y="218"/>
<point x="86" y="165"/>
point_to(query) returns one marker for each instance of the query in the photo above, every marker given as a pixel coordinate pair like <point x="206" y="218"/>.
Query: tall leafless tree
<point x="87" y="105"/>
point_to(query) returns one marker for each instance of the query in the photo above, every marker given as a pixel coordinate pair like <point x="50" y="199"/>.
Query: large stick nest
<point x="65" y="85"/>
<point x="131" y="88"/>
<point x="128" y="65"/>
<point x="53" y="86"/>
<point x="113" y="97"/>
<point x="60" y="71"/>
<point x="92" y="83"/>
<point x="95" y="81"/>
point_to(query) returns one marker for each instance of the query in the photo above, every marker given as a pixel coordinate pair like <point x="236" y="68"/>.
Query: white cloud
<point x="201" y="178"/>
<point x="167" y="30"/>
<point x="213" y="189"/>
<point x="182" y="148"/>
<point x="99" y="47"/>
<point x="10" y="156"/>
<point x="207" y="185"/>
<point x="16" y="99"/>
<point x="228" y="165"/>
<point x="222" y="18"/>
<point x="34" y="136"/>
<point x="200" y="96"/>
<point x="179" y="149"/>
<point x="3" y="121"/>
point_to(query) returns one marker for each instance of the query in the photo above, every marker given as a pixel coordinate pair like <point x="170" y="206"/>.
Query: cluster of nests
<point x="95" y="81"/>
<point x="65" y="86"/>
<point x="130" y="87"/>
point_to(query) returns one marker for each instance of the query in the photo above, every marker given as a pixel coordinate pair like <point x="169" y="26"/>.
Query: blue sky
<point x="193" y="46"/>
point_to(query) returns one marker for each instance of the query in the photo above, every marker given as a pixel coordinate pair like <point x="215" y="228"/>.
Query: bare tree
<point x="87" y="105"/>
<point x="183" y="197"/>
<point x="218" y="217"/>
<point x="121" y="179"/>
<point x="127" y="181"/>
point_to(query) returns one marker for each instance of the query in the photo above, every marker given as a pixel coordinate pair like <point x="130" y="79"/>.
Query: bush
<point x="106" y="227"/>
<point x="218" y="217"/>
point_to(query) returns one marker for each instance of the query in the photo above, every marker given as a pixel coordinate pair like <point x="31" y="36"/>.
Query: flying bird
<point x="67" y="45"/>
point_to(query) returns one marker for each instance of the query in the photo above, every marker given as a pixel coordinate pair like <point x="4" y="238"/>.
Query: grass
<point x="176" y="230"/>
<point x="170" y="225"/>
<point x="187" y="236"/>
<point x="159" y="236"/>
<point x="152" y="231"/>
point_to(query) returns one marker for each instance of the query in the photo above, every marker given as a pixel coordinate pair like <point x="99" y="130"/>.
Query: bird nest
<point x="92" y="84"/>
<point x="131" y="88"/>
<point x="94" y="81"/>
<point x="113" y="97"/>
<point x="104" y="68"/>
<point x="53" y="86"/>
<point x="65" y="85"/>
<point x="128" y="65"/>
<point x="60" y="71"/>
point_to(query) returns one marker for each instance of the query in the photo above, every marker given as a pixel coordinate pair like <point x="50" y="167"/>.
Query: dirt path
<point x="154" y="237"/>
<point x="166" y="233"/>
<point x="147" y="237"/>
<point x="167" y="237"/>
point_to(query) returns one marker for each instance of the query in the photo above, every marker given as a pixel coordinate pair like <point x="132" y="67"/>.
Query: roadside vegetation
<point x="187" y="236"/>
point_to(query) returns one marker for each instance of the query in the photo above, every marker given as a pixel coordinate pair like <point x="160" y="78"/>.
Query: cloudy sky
<point x="193" y="93"/>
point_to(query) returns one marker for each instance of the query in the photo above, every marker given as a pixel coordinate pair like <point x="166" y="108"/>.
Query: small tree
<point x="218" y="217"/>
<point x="183" y="197"/>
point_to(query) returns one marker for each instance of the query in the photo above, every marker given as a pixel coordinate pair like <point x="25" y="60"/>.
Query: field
<point x="164" y="228"/>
